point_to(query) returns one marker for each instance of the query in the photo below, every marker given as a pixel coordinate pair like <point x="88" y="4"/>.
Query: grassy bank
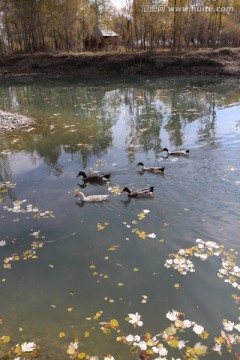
<point x="201" y="62"/>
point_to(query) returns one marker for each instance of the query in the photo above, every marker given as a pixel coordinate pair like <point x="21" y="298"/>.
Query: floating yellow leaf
<point x="174" y="344"/>
<point x="62" y="334"/>
<point x="71" y="350"/>
<point x="4" y="280"/>
<point x="86" y="333"/>
<point x="177" y="286"/>
<point x="219" y="340"/>
<point x="18" y="350"/>
<point x="151" y="342"/>
<point x="5" y="339"/>
<point x="100" y="227"/>
<point x="171" y="330"/>
<point x="135" y="269"/>
<point x="178" y="323"/>
<point x="113" y="323"/>
<point x="147" y="336"/>
<point x="81" y="355"/>
<point x="204" y="335"/>
<point x="200" y="350"/>
<point x="120" y="284"/>
<point x="69" y="309"/>
<point x="97" y="315"/>
<point x="106" y="331"/>
<point x="113" y="248"/>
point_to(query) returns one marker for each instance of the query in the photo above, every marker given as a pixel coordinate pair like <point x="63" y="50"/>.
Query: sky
<point x="118" y="3"/>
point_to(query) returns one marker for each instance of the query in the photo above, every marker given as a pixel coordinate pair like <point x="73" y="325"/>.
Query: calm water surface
<point x="109" y="126"/>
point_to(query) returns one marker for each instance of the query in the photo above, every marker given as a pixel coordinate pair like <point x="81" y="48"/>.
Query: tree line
<point x="28" y="26"/>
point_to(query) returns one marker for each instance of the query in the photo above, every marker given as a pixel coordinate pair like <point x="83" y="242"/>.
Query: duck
<point x="152" y="169"/>
<point x="176" y="152"/>
<point x="91" y="198"/>
<point x="94" y="177"/>
<point x="139" y="193"/>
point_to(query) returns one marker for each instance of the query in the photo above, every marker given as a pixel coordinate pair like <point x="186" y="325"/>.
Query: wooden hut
<point x="102" y="39"/>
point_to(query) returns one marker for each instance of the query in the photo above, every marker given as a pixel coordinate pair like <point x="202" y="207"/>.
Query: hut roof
<point x="103" y="31"/>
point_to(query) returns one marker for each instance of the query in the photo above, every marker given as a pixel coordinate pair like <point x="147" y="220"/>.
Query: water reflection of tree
<point x="78" y="118"/>
<point x="207" y="130"/>
<point x="144" y="120"/>
<point x="6" y="176"/>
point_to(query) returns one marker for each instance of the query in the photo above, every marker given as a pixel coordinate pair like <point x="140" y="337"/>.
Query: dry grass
<point x="204" y="61"/>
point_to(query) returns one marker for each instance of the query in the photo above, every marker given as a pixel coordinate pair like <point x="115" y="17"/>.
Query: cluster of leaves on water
<point x="25" y="350"/>
<point x="4" y="187"/>
<point x="173" y="338"/>
<point x="182" y="261"/>
<point x="170" y="343"/>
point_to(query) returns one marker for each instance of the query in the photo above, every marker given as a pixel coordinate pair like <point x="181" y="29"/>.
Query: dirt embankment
<point x="202" y="62"/>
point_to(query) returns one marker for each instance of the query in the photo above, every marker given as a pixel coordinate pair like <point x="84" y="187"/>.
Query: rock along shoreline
<point x="12" y="121"/>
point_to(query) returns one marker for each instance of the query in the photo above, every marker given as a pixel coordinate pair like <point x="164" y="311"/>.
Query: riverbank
<point x="200" y="62"/>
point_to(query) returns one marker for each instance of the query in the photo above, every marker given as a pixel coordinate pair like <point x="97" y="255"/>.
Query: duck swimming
<point x="152" y="169"/>
<point x="139" y="193"/>
<point x="94" y="177"/>
<point x="176" y="152"/>
<point x="91" y="198"/>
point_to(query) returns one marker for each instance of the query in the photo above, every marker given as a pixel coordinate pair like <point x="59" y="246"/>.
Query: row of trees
<point x="43" y="25"/>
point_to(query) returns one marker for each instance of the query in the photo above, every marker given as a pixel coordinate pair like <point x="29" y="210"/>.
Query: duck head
<point x="127" y="190"/>
<point x="82" y="173"/>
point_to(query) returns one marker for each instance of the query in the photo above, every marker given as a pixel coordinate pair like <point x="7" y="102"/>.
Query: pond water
<point x="82" y="264"/>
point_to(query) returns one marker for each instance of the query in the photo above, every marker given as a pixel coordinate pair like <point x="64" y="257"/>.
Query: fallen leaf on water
<point x="35" y="234"/>
<point x="81" y="355"/>
<point x="86" y="333"/>
<point x="113" y="323"/>
<point x="97" y="315"/>
<point x="5" y="339"/>
<point x="113" y="248"/>
<point x="28" y="347"/>
<point x="62" y="334"/>
<point x="152" y="235"/>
